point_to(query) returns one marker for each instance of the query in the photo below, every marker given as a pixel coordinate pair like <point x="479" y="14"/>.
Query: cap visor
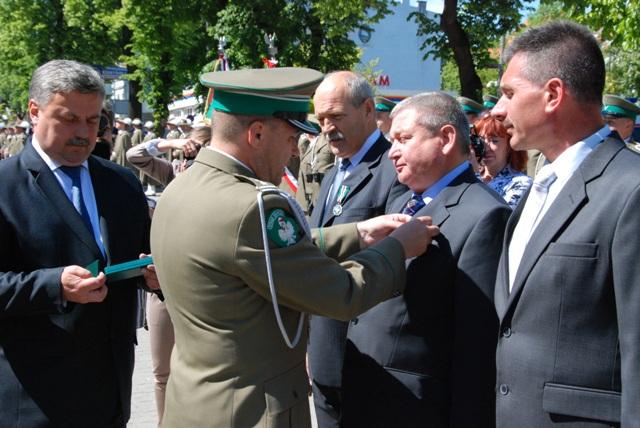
<point x="304" y="126"/>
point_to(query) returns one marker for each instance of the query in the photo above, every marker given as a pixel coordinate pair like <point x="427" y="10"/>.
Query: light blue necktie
<point x="73" y="172"/>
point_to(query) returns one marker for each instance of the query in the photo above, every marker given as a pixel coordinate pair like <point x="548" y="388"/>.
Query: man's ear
<point x="254" y="133"/>
<point x="33" y="110"/>
<point x="554" y="92"/>
<point x="449" y="137"/>
<point x="369" y="108"/>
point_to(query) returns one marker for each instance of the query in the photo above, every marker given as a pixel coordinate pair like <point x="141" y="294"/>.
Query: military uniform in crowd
<point x="136" y="137"/>
<point x="18" y="139"/>
<point x="120" y="147"/>
<point x="489" y="101"/>
<point x="314" y="163"/>
<point x="471" y="108"/>
<point x="620" y="114"/>
<point x="150" y="135"/>
<point x="231" y="366"/>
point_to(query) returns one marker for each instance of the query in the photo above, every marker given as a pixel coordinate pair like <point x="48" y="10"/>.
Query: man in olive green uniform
<point x="383" y="112"/>
<point x="243" y="269"/>
<point x="471" y="108"/>
<point x="314" y="163"/>
<point x="19" y="138"/>
<point x="136" y="137"/>
<point x="150" y="133"/>
<point x="620" y="115"/>
<point x="122" y="144"/>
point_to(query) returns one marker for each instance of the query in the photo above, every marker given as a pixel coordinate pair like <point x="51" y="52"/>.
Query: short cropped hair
<point x="62" y="76"/>
<point x="358" y="87"/>
<point x="436" y="109"/>
<point x="564" y="50"/>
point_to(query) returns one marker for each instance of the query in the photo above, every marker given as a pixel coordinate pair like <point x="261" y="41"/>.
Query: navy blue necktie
<point x="73" y="172"/>
<point x="414" y="205"/>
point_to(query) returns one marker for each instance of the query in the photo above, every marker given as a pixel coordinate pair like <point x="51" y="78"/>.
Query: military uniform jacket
<point x="427" y="358"/>
<point x="569" y="349"/>
<point x="120" y="147"/>
<point x="314" y="164"/>
<point x="230" y="366"/>
<point x="17" y="144"/>
<point x="136" y="137"/>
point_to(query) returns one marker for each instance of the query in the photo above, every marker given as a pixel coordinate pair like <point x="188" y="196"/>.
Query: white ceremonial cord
<point x="267" y="257"/>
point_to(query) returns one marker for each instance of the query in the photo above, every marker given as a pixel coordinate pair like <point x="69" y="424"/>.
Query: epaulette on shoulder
<point x="259" y="184"/>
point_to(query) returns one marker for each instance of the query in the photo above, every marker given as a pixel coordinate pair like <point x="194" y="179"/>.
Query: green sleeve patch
<point x="282" y="229"/>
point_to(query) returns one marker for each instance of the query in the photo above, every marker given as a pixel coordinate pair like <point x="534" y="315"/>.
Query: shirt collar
<point x="52" y="164"/>
<point x="368" y="143"/>
<point x="565" y="165"/>
<point x="430" y="193"/>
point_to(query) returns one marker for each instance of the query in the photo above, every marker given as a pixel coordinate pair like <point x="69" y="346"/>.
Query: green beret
<point x="384" y="104"/>
<point x="470" y="106"/>
<point x="489" y="101"/>
<point x="614" y="105"/>
<point x="283" y="92"/>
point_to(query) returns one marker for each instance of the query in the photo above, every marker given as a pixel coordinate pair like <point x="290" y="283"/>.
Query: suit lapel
<point x="569" y="201"/>
<point x="105" y="209"/>
<point x="46" y="181"/>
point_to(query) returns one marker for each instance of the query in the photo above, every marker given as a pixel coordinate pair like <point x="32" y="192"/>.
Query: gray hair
<point x="358" y="87"/>
<point x="436" y="109"/>
<point x="62" y="76"/>
<point x="564" y="50"/>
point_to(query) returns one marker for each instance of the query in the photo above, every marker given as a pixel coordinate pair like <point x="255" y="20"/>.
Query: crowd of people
<point x="432" y="262"/>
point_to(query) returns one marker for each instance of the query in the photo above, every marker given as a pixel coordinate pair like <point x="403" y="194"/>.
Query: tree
<point x="34" y="32"/>
<point x="310" y="33"/>
<point x="465" y="34"/>
<point x="616" y="23"/>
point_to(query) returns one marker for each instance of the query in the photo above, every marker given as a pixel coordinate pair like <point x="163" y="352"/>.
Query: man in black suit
<point x="568" y="286"/>
<point x="357" y="188"/>
<point x="427" y="358"/>
<point x="66" y="337"/>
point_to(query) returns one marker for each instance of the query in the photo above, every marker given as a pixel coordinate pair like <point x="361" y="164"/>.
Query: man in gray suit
<point x="568" y="286"/>
<point x="357" y="188"/>
<point x="427" y="358"/>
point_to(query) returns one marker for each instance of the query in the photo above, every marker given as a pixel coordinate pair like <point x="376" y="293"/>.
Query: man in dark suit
<point x="427" y="358"/>
<point x="66" y="337"/>
<point x="357" y="188"/>
<point x="568" y="286"/>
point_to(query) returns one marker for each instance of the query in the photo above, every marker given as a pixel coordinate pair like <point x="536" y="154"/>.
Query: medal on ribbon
<point x="342" y="195"/>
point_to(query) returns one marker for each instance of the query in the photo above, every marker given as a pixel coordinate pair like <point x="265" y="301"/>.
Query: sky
<point x="437" y="5"/>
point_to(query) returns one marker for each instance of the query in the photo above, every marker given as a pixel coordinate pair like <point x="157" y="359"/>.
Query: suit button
<point x="506" y="332"/>
<point x="504" y="389"/>
<point x="354" y="321"/>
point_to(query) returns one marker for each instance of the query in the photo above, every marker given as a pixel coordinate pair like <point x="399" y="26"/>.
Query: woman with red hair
<point x="502" y="166"/>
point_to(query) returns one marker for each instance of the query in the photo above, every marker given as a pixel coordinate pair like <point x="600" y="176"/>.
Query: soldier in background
<point x="316" y="160"/>
<point x="383" y="110"/>
<point x="490" y="101"/>
<point x="149" y="132"/>
<point x="136" y="137"/>
<point x="19" y="138"/>
<point x="122" y="144"/>
<point x="620" y="115"/>
<point x="471" y="108"/>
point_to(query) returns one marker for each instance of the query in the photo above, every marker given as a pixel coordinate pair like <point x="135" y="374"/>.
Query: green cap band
<point x="468" y="109"/>
<point x="615" y="110"/>
<point x="257" y="105"/>
<point x="489" y="104"/>
<point x="382" y="107"/>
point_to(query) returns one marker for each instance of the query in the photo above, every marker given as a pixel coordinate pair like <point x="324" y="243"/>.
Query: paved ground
<point x="143" y="408"/>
